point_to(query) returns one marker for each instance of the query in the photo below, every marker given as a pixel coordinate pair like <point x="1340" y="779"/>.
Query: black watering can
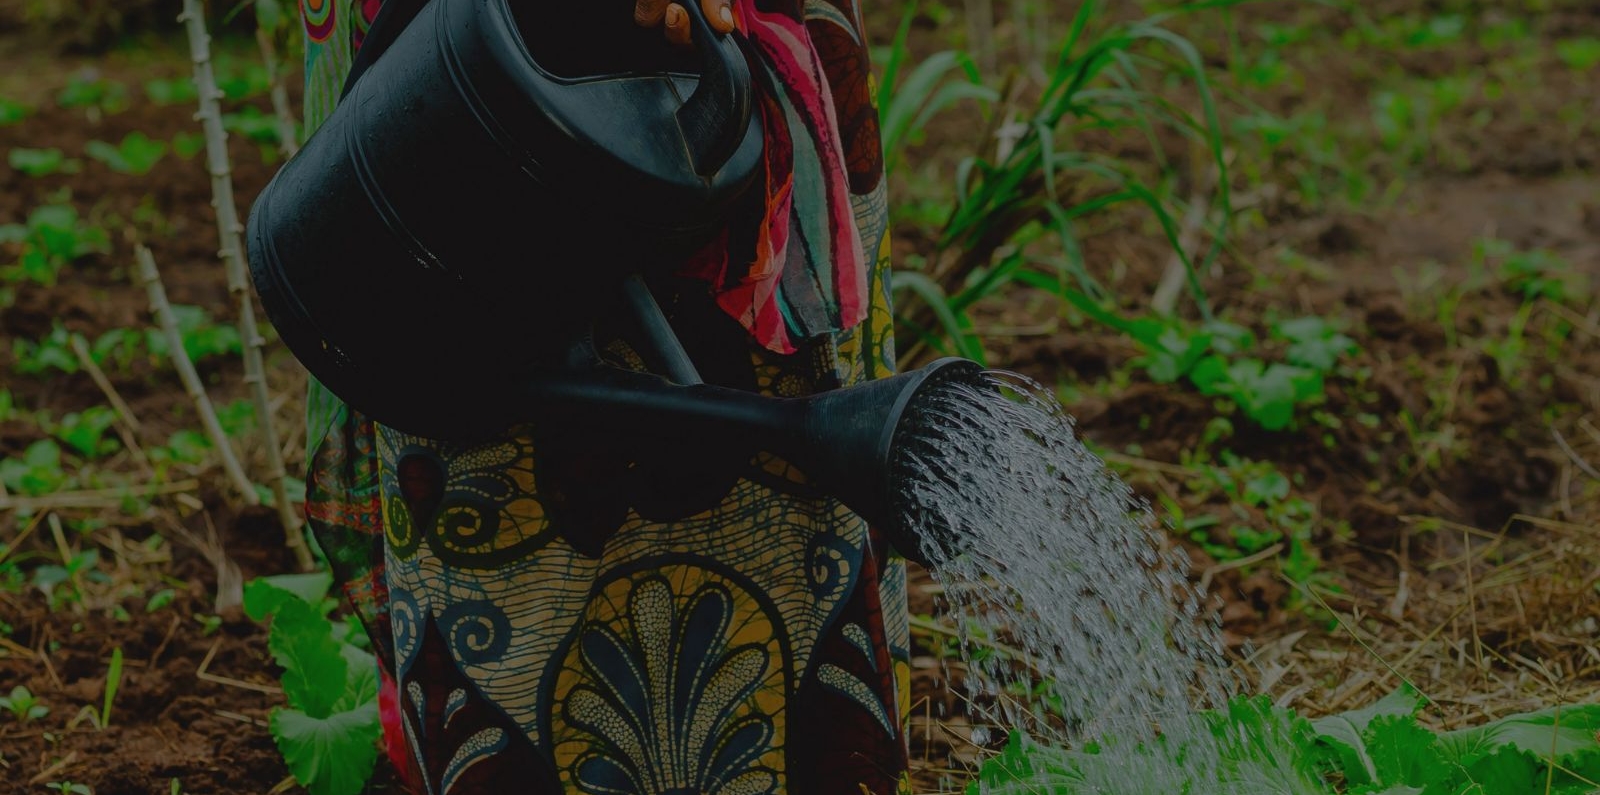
<point x="496" y="176"/>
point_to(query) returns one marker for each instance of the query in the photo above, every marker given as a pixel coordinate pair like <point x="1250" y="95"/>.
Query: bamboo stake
<point x="232" y="253"/>
<point x="150" y="278"/>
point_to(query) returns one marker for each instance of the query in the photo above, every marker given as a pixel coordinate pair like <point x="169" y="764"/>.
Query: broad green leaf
<point x="1568" y="732"/>
<point x="1342" y="732"/>
<point x="1506" y="772"/>
<point x="40" y="162"/>
<point x="1210" y="376"/>
<point x="1403" y="752"/>
<point x="314" y="667"/>
<point x="262" y="599"/>
<point x="333" y="755"/>
<point x="312" y="588"/>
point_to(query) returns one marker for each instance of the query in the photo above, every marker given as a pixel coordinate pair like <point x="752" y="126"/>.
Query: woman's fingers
<point x="678" y="25"/>
<point x="718" y="12"/>
<point x="648" y="13"/>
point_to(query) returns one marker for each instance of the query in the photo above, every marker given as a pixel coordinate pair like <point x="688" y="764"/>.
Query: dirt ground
<point x="1473" y="576"/>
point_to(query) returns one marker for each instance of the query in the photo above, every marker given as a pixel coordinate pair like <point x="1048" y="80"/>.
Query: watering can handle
<point x="714" y="118"/>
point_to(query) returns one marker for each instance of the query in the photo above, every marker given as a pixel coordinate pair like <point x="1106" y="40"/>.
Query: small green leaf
<point x="40" y="162"/>
<point x="1404" y="752"/>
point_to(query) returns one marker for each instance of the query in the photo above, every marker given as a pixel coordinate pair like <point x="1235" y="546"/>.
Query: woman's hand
<point x="675" y="20"/>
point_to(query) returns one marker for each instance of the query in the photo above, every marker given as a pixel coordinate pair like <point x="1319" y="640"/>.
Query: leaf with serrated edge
<point x="329" y="756"/>
<point x="1343" y="731"/>
<point x="314" y="668"/>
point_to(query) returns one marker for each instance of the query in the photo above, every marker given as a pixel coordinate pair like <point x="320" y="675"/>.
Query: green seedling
<point x="237" y="417"/>
<point x="53" y="237"/>
<point x="160" y="599"/>
<point x="113" y="681"/>
<point x="1219" y="359"/>
<point x="1534" y="274"/>
<point x="70" y="788"/>
<point x="85" y="431"/>
<point x="250" y="122"/>
<point x="23" y="705"/>
<point x="173" y="91"/>
<point x="136" y="155"/>
<point x="1581" y="54"/>
<point x="202" y="338"/>
<point x="12" y="112"/>
<point x="183" y="447"/>
<point x="187" y="145"/>
<point x="42" y="162"/>
<point x="94" y="94"/>
<point x="37" y="472"/>
<point x="53" y="352"/>
<point x="50" y="577"/>
<point x="209" y="624"/>
<point x="241" y="80"/>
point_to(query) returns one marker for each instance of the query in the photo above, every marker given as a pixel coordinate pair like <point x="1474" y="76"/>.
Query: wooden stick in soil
<point x="128" y="428"/>
<point x="150" y="278"/>
<point x="232" y="253"/>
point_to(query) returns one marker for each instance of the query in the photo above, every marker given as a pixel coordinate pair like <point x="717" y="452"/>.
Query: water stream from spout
<point x="1076" y="615"/>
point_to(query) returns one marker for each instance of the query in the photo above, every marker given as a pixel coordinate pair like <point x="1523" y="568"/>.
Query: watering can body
<point x="482" y="188"/>
<point x="440" y="249"/>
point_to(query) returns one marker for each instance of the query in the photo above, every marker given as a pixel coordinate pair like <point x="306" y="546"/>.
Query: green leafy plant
<point x="250" y="122"/>
<point x="1017" y="206"/>
<point x="41" y="162"/>
<point x="137" y="154"/>
<point x="85" y="431"/>
<point x="70" y="788"/>
<point x="1580" y="54"/>
<point x="1531" y="273"/>
<point x="1381" y="749"/>
<point x="186" y="145"/>
<point x="37" y="472"/>
<point x="49" y="578"/>
<point x="53" y="236"/>
<point x="12" y="112"/>
<point x="937" y="83"/>
<point x="1218" y="358"/>
<point x="241" y="79"/>
<point x="23" y="705"/>
<point x="94" y="93"/>
<point x="202" y="337"/>
<point x="328" y="734"/>
<point x="170" y="91"/>
<point x="52" y="352"/>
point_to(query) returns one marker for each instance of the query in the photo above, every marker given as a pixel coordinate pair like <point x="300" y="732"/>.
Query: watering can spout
<point x="844" y="440"/>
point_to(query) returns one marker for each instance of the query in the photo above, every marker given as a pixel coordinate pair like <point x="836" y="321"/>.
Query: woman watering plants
<point x="549" y="621"/>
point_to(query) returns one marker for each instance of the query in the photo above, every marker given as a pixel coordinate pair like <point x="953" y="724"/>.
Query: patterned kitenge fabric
<point x="758" y="645"/>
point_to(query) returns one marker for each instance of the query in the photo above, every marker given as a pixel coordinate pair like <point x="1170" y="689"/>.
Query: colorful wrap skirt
<point x="748" y="639"/>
